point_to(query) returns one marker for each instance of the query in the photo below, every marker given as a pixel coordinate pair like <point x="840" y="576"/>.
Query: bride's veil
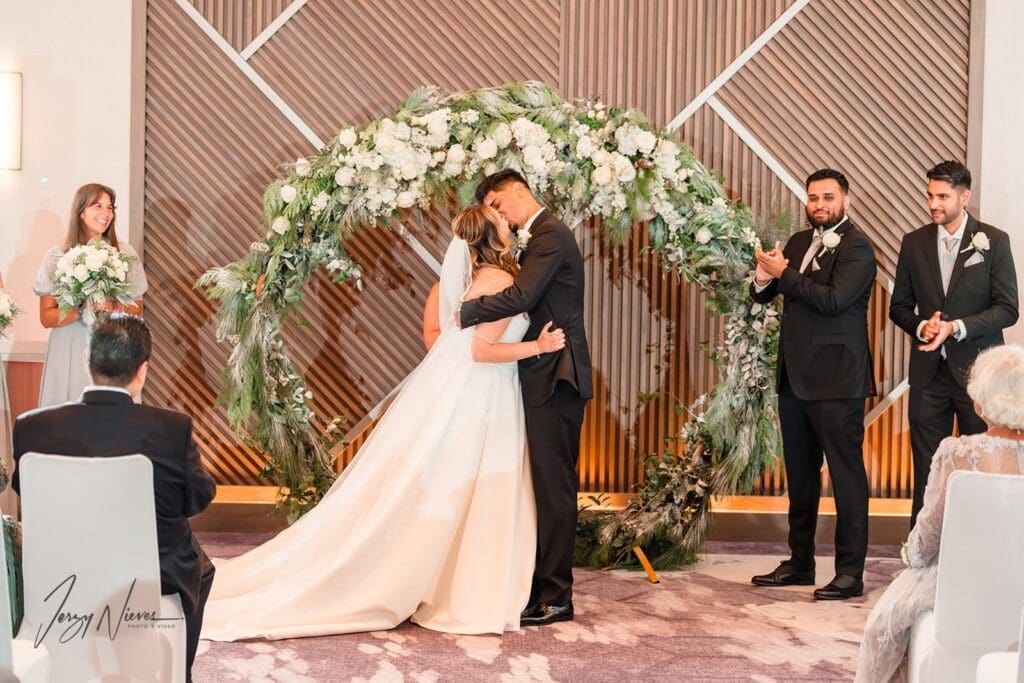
<point x="456" y="277"/>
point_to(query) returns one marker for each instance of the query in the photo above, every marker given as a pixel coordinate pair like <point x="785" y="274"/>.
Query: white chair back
<point x="90" y="550"/>
<point x="980" y="587"/>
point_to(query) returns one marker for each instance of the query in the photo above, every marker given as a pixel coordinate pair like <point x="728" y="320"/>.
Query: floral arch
<point x="584" y="160"/>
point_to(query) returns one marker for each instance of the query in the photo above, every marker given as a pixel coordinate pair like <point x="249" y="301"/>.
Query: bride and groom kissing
<point x="459" y="512"/>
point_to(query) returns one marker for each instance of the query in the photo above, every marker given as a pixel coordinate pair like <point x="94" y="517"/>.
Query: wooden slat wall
<point x="849" y="85"/>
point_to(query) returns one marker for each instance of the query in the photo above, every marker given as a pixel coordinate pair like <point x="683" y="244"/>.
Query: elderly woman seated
<point x="997" y="387"/>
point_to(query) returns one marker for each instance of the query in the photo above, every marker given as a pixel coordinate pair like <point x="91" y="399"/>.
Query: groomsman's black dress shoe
<point x="539" y="615"/>
<point x="840" y="588"/>
<point x="784" y="575"/>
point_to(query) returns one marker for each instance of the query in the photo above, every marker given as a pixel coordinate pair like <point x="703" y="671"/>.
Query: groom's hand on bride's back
<point x="550" y="340"/>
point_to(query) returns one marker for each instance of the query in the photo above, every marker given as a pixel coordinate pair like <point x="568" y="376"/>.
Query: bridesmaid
<point x="64" y="372"/>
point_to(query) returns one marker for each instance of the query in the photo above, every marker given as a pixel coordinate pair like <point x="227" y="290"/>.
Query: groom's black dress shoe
<point x="539" y="615"/>
<point x="784" y="575"/>
<point x="840" y="588"/>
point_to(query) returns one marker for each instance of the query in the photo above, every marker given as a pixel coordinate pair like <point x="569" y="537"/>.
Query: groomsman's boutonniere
<point x="979" y="243"/>
<point x="829" y="241"/>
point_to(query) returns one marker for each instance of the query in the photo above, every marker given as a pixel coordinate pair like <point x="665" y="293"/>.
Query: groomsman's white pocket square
<point x="815" y="266"/>
<point x="975" y="259"/>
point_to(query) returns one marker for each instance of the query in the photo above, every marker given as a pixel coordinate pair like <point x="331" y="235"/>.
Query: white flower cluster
<point x="7" y="311"/>
<point x="92" y="272"/>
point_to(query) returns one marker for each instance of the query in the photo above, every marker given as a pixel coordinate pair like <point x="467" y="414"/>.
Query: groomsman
<point x="825" y="275"/>
<point x="955" y="291"/>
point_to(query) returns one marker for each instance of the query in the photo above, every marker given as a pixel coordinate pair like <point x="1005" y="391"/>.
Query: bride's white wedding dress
<point x="434" y="520"/>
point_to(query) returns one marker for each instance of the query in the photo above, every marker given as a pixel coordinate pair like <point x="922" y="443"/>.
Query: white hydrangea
<point x="470" y="116"/>
<point x="624" y="170"/>
<point x="703" y="235"/>
<point x="528" y="133"/>
<point x="320" y="202"/>
<point x="502" y="135"/>
<point x="585" y="147"/>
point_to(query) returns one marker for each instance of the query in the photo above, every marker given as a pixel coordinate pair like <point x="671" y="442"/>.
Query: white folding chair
<point x="1003" y="667"/>
<point x="90" y="549"/>
<point x="980" y="591"/>
<point x="17" y="657"/>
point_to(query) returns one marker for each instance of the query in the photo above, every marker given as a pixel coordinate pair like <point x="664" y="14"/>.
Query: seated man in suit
<point x="107" y="423"/>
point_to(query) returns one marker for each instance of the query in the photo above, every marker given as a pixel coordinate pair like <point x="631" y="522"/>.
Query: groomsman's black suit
<point x="106" y="424"/>
<point x="824" y="375"/>
<point x="555" y="388"/>
<point x="983" y="296"/>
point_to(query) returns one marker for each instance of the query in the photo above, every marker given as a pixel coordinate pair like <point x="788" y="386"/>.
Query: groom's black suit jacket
<point x="106" y="424"/>
<point x="823" y="344"/>
<point x="549" y="287"/>
<point x="982" y="295"/>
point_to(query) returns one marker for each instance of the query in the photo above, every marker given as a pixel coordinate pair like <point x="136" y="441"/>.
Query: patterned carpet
<point x="706" y="623"/>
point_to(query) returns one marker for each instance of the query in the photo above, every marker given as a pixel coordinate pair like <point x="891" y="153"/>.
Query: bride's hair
<point x="997" y="384"/>
<point x="478" y="225"/>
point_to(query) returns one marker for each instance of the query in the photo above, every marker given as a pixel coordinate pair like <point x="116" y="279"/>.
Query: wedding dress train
<point x="434" y="520"/>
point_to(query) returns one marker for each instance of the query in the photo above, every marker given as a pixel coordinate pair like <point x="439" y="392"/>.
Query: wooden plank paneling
<point x="850" y="85"/>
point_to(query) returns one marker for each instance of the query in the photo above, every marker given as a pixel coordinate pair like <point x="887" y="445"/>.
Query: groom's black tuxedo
<point x="824" y="375"/>
<point x="983" y="295"/>
<point x="107" y="424"/>
<point x="549" y="287"/>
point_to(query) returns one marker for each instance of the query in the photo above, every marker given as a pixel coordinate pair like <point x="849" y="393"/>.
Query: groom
<point x="556" y="386"/>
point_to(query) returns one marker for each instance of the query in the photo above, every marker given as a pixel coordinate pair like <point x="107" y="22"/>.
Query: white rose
<point x="645" y="141"/>
<point x="980" y="241"/>
<point x="347" y="137"/>
<point x="601" y="157"/>
<point x="830" y="240"/>
<point x="624" y="170"/>
<point x="703" y="236"/>
<point x="405" y="199"/>
<point x="409" y="171"/>
<point x="602" y="175"/>
<point x="302" y="167"/>
<point x="438" y="157"/>
<point x="93" y="262"/>
<point x="384" y="142"/>
<point x="344" y="176"/>
<point x="81" y="273"/>
<point x="486" y="148"/>
<point x="491" y="168"/>
<point x="280" y="225"/>
<point x="288" y="194"/>
<point x="456" y="154"/>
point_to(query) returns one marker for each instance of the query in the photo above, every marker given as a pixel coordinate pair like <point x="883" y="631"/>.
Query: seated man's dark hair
<point x="118" y="346"/>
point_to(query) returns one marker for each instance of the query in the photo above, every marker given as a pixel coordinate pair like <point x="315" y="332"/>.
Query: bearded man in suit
<point x="825" y="275"/>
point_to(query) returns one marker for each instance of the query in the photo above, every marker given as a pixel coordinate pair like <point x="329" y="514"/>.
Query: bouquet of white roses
<point x="7" y="311"/>
<point x="90" y="273"/>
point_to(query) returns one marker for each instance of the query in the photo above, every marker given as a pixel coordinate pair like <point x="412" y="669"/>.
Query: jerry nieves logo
<point x="78" y="624"/>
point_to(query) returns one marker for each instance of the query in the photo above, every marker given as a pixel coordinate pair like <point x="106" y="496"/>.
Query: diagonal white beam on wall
<point x="273" y="28"/>
<point x="757" y="148"/>
<point x="737" y="64"/>
<point x="250" y="73"/>
<point x="282" y="106"/>
<point x="886" y="402"/>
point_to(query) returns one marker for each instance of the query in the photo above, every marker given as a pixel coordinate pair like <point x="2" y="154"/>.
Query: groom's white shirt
<point x="529" y="221"/>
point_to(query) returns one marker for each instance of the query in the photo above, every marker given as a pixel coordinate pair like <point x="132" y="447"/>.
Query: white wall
<point x="1000" y="177"/>
<point x="75" y="58"/>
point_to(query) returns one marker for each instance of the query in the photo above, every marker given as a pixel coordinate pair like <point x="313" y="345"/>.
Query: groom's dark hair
<point x="118" y="346"/>
<point x="498" y="181"/>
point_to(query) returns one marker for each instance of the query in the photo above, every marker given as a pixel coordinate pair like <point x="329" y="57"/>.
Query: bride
<point x="434" y="520"/>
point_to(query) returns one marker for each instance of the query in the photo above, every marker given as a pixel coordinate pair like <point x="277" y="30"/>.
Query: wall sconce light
<point x="10" y="121"/>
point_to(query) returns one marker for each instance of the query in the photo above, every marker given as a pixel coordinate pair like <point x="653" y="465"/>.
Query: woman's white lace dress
<point x="912" y="592"/>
